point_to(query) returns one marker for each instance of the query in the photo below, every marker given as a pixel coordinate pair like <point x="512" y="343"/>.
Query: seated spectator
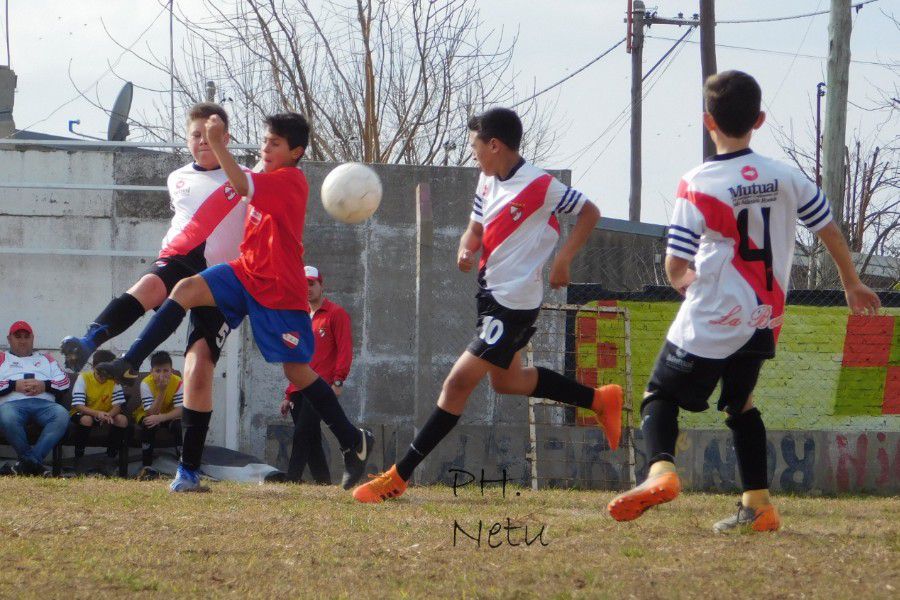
<point x="30" y="385"/>
<point x="161" y="404"/>
<point x="97" y="401"/>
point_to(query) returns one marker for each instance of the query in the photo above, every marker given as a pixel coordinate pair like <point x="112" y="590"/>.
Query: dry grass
<point x="102" y="538"/>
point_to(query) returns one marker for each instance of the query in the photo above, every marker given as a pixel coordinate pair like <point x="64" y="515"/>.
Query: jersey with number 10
<point x="736" y="217"/>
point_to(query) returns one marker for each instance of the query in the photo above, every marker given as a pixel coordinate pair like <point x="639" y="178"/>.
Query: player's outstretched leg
<point x="755" y="510"/>
<point x="120" y="314"/>
<point x="660" y="428"/>
<point x="356" y="444"/>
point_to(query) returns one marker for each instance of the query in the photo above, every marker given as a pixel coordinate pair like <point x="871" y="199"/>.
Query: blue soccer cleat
<point x="186" y="480"/>
<point x="76" y="351"/>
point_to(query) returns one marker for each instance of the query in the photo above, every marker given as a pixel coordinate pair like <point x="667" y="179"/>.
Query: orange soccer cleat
<point x="765" y="518"/>
<point x="657" y="490"/>
<point x="382" y="487"/>
<point x="608" y="406"/>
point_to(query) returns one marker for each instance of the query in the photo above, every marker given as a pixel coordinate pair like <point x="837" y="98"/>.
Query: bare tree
<point x="871" y="206"/>
<point x="380" y="81"/>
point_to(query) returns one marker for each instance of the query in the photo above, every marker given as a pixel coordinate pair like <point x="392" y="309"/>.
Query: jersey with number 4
<point x="518" y="214"/>
<point x="736" y="217"/>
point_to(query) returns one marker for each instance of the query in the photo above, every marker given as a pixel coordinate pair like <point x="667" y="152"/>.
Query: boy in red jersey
<point x="266" y="283"/>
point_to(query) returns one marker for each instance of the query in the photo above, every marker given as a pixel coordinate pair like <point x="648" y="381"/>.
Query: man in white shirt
<point x="30" y="384"/>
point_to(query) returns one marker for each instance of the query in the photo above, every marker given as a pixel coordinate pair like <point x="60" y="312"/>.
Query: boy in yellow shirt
<point x="161" y="405"/>
<point x="97" y="400"/>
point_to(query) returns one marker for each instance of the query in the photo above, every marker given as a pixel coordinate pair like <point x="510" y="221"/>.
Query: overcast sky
<point x="555" y="38"/>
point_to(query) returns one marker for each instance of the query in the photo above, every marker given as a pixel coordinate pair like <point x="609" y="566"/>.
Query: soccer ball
<point x="351" y="193"/>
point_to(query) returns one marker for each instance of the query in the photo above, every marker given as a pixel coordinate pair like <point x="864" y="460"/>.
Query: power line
<point x="794" y="58"/>
<point x="857" y="6"/>
<point x="102" y="75"/>
<point x="571" y="75"/>
<point x="643" y="96"/>
<point x="669" y="51"/>
<point x="766" y="51"/>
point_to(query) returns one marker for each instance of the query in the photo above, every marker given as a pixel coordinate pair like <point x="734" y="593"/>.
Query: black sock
<point x="114" y="441"/>
<point x="80" y="435"/>
<point x="553" y="386"/>
<point x="120" y="314"/>
<point x="659" y="425"/>
<point x="161" y="326"/>
<point x="439" y="424"/>
<point x="322" y="398"/>
<point x="195" y="424"/>
<point x="749" y="433"/>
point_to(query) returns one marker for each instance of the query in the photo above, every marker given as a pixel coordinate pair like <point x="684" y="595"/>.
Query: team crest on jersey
<point x="749" y="173"/>
<point x="321" y="332"/>
<point x="290" y="339"/>
<point x="515" y="209"/>
<point x="179" y="184"/>
<point x="254" y="216"/>
<point x="230" y="194"/>
<point x="484" y="190"/>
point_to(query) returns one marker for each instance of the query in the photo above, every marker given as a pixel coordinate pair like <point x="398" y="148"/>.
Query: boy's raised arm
<point x="215" y="135"/>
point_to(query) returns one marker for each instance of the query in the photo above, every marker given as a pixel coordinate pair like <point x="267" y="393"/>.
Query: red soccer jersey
<point x="334" y="344"/>
<point x="271" y="262"/>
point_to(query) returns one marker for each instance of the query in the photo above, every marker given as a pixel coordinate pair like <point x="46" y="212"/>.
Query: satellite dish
<point x="118" y="120"/>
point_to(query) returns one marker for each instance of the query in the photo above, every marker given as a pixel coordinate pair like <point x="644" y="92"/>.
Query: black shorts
<point x="501" y="331"/>
<point x="172" y="269"/>
<point x="206" y="322"/>
<point x="690" y="380"/>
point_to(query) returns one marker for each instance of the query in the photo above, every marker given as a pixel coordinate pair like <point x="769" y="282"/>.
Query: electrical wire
<point x="570" y="75"/>
<point x="857" y="6"/>
<point x="102" y="75"/>
<point x="766" y="51"/>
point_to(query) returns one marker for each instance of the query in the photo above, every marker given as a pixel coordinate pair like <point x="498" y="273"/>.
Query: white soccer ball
<point x="351" y="193"/>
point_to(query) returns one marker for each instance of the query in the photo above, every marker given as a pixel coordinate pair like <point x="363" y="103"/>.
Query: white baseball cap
<point x="313" y="273"/>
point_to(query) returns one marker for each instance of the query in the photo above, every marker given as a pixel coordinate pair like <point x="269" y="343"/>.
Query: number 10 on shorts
<point x="491" y="330"/>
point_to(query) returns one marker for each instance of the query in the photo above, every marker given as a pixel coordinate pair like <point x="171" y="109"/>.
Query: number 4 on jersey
<point x="763" y="254"/>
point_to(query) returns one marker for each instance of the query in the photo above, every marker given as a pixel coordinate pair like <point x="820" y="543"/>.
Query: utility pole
<point x="636" y="45"/>
<point x="637" y="19"/>
<point x="836" y="107"/>
<point x="707" y="59"/>
<point x="210" y="91"/>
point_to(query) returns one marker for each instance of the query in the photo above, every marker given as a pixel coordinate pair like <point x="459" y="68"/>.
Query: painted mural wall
<point x="833" y="370"/>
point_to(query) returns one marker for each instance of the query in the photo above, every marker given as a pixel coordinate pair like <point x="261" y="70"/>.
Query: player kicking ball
<point x="735" y="217"/>
<point x="514" y="225"/>
<point x="266" y="283"/>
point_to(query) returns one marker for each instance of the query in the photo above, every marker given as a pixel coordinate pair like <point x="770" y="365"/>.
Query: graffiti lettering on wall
<point x="805" y="462"/>
<point x="832" y="370"/>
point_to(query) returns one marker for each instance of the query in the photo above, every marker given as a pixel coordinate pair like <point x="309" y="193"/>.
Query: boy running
<point x="735" y="217"/>
<point x="266" y="283"/>
<point x="514" y="224"/>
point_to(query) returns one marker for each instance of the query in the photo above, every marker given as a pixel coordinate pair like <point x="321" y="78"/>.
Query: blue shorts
<point x="282" y="335"/>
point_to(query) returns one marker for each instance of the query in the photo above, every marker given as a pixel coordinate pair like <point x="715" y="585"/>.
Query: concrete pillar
<point x="7" y="97"/>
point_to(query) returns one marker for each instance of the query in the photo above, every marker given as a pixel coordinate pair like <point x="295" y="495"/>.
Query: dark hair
<point x="102" y="356"/>
<point x="158" y="359"/>
<point x="733" y="99"/>
<point x="204" y="110"/>
<point x="501" y="123"/>
<point x="291" y="126"/>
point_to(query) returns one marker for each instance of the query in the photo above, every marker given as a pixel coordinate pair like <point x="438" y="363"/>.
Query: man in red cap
<point x="331" y="360"/>
<point x="30" y="384"/>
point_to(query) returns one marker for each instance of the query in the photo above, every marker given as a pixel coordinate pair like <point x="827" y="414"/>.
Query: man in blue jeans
<point x="30" y="384"/>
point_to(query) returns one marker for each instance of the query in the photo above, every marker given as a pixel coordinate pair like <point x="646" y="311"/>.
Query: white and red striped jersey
<point x="520" y="230"/>
<point x="736" y="217"/>
<point x="206" y="210"/>
<point x="42" y="367"/>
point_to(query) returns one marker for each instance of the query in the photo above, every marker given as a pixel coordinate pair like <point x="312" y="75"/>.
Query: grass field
<point x="87" y="538"/>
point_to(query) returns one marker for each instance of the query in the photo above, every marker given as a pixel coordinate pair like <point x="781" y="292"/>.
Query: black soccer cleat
<point x="76" y="351"/>
<point x="355" y="460"/>
<point x="120" y="370"/>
